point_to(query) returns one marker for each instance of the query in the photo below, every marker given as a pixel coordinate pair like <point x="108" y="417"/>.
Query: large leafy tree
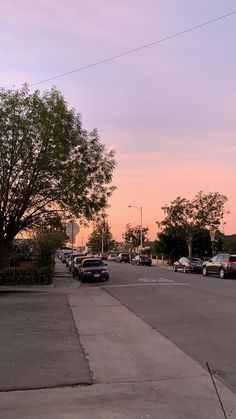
<point x="49" y="164"/>
<point x="205" y="211"/>
<point x="132" y="235"/>
<point x="101" y="237"/>
<point x="171" y="244"/>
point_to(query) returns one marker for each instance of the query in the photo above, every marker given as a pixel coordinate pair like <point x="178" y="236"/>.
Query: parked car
<point x="223" y="264"/>
<point x="93" y="268"/>
<point x="141" y="260"/>
<point x="104" y="258"/>
<point x="112" y="257"/>
<point x="77" y="262"/>
<point x="64" y="255"/>
<point x="187" y="264"/>
<point x="68" y="258"/>
<point x="71" y="259"/>
<point x="123" y="257"/>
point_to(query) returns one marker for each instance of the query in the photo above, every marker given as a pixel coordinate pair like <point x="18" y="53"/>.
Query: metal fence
<point x="26" y="272"/>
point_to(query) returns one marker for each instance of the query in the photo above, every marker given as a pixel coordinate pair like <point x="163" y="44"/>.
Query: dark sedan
<point x="186" y="264"/>
<point x="93" y="269"/>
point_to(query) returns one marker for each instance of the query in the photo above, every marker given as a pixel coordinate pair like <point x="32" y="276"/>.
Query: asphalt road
<point x="195" y="312"/>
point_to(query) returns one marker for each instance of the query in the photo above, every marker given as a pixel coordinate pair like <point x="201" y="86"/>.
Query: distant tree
<point x="48" y="164"/>
<point x="204" y="211"/>
<point x="114" y="246"/>
<point x="170" y="246"/>
<point x="132" y="235"/>
<point x="101" y="235"/>
<point x="229" y="244"/>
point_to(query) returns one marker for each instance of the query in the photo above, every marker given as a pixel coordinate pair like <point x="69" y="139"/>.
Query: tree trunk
<point x="190" y="248"/>
<point x="5" y="249"/>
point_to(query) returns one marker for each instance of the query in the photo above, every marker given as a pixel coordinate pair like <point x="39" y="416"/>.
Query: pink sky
<point x="169" y="110"/>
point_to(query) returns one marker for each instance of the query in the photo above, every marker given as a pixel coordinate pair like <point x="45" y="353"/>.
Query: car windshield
<point x="232" y="258"/>
<point x="79" y="259"/>
<point x="89" y="263"/>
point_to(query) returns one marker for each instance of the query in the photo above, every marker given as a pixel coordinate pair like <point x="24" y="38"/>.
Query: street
<point x="194" y="312"/>
<point x="133" y="347"/>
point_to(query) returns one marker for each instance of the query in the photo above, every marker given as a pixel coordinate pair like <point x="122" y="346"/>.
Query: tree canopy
<point x="186" y="217"/>
<point x="49" y="164"/>
<point x="133" y="234"/>
<point x="101" y="237"/>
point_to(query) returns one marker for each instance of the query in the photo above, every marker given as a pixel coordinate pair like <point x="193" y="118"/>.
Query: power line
<point x="131" y="51"/>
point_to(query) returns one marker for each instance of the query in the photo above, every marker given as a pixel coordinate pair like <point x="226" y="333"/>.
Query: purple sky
<point x="168" y="110"/>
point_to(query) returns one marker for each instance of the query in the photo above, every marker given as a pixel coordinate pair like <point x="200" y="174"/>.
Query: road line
<point x="147" y="285"/>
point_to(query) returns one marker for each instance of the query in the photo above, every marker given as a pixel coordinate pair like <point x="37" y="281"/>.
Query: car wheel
<point x="222" y="273"/>
<point x="204" y="271"/>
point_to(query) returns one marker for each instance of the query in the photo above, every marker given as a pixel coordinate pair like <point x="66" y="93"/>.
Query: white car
<point x="112" y="257"/>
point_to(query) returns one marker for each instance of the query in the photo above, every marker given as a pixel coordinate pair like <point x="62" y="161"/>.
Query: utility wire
<point x="131" y="51"/>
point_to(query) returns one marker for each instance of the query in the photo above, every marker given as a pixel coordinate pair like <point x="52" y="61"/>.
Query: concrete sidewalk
<point x="137" y="373"/>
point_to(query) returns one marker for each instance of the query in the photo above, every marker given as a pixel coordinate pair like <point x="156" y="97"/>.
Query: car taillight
<point x="231" y="262"/>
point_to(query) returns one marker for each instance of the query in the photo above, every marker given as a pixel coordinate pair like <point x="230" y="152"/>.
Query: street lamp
<point x="141" y="225"/>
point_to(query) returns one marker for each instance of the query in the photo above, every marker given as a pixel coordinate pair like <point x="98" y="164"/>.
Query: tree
<point x="229" y="243"/>
<point x="132" y="235"/>
<point x="170" y="246"/>
<point x="101" y="237"/>
<point x="205" y="211"/>
<point x="48" y="164"/>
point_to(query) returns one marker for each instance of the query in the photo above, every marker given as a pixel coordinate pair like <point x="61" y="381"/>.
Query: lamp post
<point x="141" y="224"/>
<point x="103" y="233"/>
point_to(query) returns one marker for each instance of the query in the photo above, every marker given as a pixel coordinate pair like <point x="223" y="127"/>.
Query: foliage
<point x="101" y="237"/>
<point x="46" y="244"/>
<point x="229" y="244"/>
<point x="49" y="164"/>
<point x="170" y="246"/>
<point x="186" y="217"/>
<point x="133" y="235"/>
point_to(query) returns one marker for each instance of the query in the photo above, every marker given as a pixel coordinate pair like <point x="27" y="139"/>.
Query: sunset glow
<point x="168" y="110"/>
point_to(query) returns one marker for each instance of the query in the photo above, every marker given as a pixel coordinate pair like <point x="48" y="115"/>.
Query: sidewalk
<point x="137" y="373"/>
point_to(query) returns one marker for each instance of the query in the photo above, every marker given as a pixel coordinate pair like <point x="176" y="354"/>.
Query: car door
<point x="211" y="265"/>
<point x="216" y="264"/>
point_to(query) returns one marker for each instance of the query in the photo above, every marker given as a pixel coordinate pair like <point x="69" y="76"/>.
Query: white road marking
<point x="159" y="279"/>
<point x="147" y="285"/>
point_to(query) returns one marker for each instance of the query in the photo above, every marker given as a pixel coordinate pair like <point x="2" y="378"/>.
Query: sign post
<point x="72" y="229"/>
<point x="212" y="233"/>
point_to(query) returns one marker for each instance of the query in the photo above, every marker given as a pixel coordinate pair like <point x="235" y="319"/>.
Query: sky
<point x="167" y="110"/>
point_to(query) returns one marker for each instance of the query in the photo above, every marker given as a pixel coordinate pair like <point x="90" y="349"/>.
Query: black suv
<point x="223" y="264"/>
<point x="123" y="257"/>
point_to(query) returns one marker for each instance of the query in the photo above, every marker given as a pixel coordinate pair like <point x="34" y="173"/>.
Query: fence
<point x="25" y="273"/>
